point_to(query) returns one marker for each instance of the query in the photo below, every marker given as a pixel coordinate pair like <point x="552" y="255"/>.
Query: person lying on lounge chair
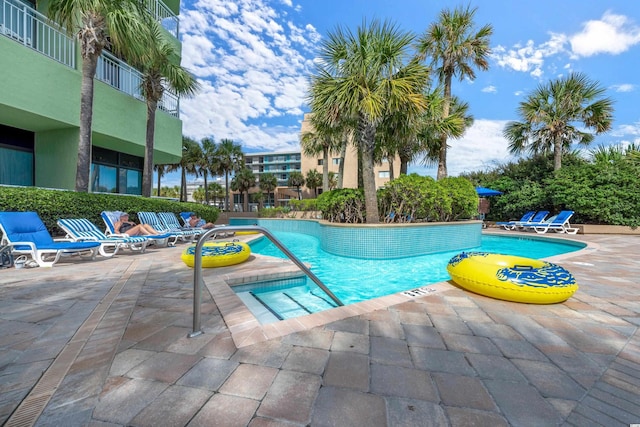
<point x="130" y="228"/>
<point x="197" y="222"/>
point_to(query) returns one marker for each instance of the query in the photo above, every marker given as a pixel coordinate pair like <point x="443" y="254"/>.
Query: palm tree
<point x="98" y="24"/>
<point x="432" y="125"/>
<point x="228" y="158"/>
<point x="367" y="75"/>
<point x="551" y="113"/>
<point x="325" y="138"/>
<point x="204" y="163"/>
<point x="191" y="153"/>
<point x="333" y="181"/>
<point x="315" y="180"/>
<point x="454" y="49"/>
<point x="161" y="170"/>
<point x="243" y="181"/>
<point x="215" y="191"/>
<point x="296" y="179"/>
<point x="268" y="183"/>
<point x="161" y="70"/>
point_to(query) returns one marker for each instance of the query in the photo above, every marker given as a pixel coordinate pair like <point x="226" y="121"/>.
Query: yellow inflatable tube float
<point x="218" y="254"/>
<point x="512" y="278"/>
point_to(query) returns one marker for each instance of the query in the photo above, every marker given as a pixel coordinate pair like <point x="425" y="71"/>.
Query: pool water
<point x="353" y="280"/>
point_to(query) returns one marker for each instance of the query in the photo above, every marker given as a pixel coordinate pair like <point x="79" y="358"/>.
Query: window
<point x="336" y="160"/>
<point x="16" y="156"/>
<point x="113" y="172"/>
<point x="320" y="162"/>
<point x="383" y="174"/>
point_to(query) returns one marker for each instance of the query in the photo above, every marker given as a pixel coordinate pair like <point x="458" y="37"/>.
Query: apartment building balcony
<point x="25" y="25"/>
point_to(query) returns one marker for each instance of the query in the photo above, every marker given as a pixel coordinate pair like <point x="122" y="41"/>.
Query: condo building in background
<point x="40" y="106"/>
<point x="281" y="164"/>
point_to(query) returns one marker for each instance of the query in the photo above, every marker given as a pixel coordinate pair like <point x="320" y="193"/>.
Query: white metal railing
<point x="164" y="15"/>
<point x="127" y="79"/>
<point x="29" y="27"/>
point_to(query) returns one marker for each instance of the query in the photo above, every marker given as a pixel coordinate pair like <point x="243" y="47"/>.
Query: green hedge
<point x="605" y="192"/>
<point x="412" y="198"/>
<point x="52" y="205"/>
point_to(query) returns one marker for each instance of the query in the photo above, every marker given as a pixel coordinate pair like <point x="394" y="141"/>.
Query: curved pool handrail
<point x="197" y="268"/>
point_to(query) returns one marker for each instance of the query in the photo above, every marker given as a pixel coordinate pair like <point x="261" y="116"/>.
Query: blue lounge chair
<point x="82" y="230"/>
<point x="511" y="225"/>
<point x="184" y="216"/>
<point x="154" y="221"/>
<point x="111" y="217"/>
<point x="170" y="222"/>
<point x="27" y="234"/>
<point x="559" y="224"/>
<point x="538" y="217"/>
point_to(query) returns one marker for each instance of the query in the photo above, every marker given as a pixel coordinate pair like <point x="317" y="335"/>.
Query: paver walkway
<point x="105" y="343"/>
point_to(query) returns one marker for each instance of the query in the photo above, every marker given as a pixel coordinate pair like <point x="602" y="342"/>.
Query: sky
<point x="254" y="59"/>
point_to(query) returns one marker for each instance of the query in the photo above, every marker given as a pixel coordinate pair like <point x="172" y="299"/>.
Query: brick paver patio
<point x="105" y="343"/>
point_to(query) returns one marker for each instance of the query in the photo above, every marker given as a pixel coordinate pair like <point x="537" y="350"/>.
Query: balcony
<point x="127" y="79"/>
<point x="30" y="28"/>
<point x="27" y="26"/>
<point x="164" y="15"/>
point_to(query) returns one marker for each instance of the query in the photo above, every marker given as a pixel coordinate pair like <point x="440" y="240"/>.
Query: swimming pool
<point x="353" y="279"/>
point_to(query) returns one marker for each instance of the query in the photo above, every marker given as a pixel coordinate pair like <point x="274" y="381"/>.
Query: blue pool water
<point x="353" y="280"/>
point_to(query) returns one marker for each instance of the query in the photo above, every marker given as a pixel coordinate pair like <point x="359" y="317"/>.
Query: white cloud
<point x="530" y="58"/>
<point x="611" y="34"/>
<point x="253" y="61"/>
<point x="625" y="87"/>
<point x="490" y="89"/>
<point x="482" y="147"/>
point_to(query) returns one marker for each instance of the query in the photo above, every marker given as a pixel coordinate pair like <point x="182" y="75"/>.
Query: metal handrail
<point x="197" y="269"/>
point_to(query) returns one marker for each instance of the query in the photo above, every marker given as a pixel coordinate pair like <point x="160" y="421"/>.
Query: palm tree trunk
<point x="404" y="166"/>
<point x="557" y="153"/>
<point x="226" y="188"/>
<point x="367" y="145"/>
<point x="147" y="172"/>
<point x="83" y="167"/>
<point x="343" y="154"/>
<point x="325" y="169"/>
<point x="206" y="189"/>
<point x="446" y="105"/>
<point x="390" y="163"/>
<point x="245" y="202"/>
<point x="160" y="172"/>
<point x="183" y="186"/>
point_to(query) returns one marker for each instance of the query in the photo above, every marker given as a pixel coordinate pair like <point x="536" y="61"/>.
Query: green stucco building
<point x="40" y="106"/>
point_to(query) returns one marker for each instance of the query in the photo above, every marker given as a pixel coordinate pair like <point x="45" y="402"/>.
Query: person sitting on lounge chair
<point x="196" y="222"/>
<point x="130" y="228"/>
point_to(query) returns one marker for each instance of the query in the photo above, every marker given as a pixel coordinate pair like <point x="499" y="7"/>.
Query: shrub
<point x="464" y="199"/>
<point x="52" y="205"/>
<point x="304" y="205"/>
<point x="343" y="205"/>
<point x="412" y="198"/>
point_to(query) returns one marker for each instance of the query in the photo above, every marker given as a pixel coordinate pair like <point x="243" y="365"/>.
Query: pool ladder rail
<point x="197" y="269"/>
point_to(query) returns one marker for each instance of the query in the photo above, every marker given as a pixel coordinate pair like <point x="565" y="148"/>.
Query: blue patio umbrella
<point x="486" y="192"/>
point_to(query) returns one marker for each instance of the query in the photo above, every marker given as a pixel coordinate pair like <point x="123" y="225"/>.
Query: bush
<point x="304" y="205"/>
<point x="52" y="205"/>
<point x="343" y="205"/>
<point x="279" y="212"/>
<point x="464" y="199"/>
<point x="599" y="192"/>
<point x="412" y="198"/>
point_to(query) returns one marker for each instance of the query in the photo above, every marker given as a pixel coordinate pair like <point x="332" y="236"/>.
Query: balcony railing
<point x="127" y="79"/>
<point x="164" y="15"/>
<point x="29" y="27"/>
<point x="32" y="29"/>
